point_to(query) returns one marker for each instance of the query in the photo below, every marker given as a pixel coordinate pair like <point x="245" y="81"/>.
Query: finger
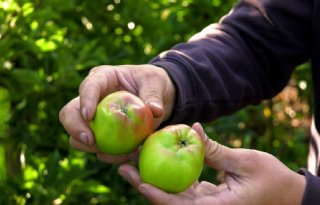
<point x="114" y="159"/>
<point x="130" y="174"/>
<point x="154" y="103"/>
<point x="191" y="190"/>
<point x="101" y="81"/>
<point x="205" y="188"/>
<point x="151" y="91"/>
<point x="157" y="122"/>
<point x="74" y="124"/>
<point x="157" y="196"/>
<point x="198" y="128"/>
<point x="153" y="194"/>
<point x="80" y="146"/>
<point x="155" y="107"/>
<point x="151" y="96"/>
<point x="220" y="157"/>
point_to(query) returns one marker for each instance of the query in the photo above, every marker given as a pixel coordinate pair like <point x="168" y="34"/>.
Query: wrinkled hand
<point x="252" y="177"/>
<point x="152" y="84"/>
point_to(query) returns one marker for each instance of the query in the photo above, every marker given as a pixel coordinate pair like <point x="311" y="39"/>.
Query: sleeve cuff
<point x="312" y="191"/>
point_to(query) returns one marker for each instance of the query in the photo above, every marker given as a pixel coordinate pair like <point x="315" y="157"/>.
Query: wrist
<point x="297" y="189"/>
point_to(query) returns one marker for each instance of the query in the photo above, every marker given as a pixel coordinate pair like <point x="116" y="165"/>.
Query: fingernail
<point x="156" y="105"/>
<point x="156" y="109"/>
<point x="83" y="138"/>
<point x="84" y="113"/>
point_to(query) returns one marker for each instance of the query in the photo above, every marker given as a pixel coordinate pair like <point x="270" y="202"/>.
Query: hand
<point x="252" y="177"/>
<point x="152" y="84"/>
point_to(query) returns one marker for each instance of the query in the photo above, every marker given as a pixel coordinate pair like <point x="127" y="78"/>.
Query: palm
<point x="203" y="193"/>
<point x="230" y="192"/>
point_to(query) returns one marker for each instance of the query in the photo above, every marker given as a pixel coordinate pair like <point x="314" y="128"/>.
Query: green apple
<point x="121" y="123"/>
<point x="172" y="158"/>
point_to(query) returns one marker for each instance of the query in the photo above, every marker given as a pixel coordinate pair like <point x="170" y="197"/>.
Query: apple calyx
<point x="182" y="139"/>
<point x="123" y="108"/>
<point x="183" y="143"/>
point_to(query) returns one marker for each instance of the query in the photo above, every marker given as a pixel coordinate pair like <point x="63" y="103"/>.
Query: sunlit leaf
<point x="46" y="45"/>
<point x="9" y="5"/>
<point x="98" y="188"/>
<point x="27" y="9"/>
<point x="30" y="173"/>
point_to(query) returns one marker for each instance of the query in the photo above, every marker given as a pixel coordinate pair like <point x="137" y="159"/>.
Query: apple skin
<point x="172" y="158"/>
<point x="121" y="123"/>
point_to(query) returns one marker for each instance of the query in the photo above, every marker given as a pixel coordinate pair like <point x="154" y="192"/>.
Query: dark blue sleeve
<point x="312" y="192"/>
<point x="245" y="58"/>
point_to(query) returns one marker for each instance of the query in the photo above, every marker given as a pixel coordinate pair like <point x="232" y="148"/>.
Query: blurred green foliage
<point x="48" y="47"/>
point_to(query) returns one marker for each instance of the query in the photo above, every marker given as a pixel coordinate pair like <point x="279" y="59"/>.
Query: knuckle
<point x="153" y="93"/>
<point x="89" y="83"/>
<point x="250" y="159"/>
<point x="68" y="114"/>
<point x="213" y="149"/>
<point x="96" y="69"/>
<point x="83" y="84"/>
<point x="143" y="73"/>
<point x="150" y="74"/>
<point x="62" y="114"/>
<point x="65" y="111"/>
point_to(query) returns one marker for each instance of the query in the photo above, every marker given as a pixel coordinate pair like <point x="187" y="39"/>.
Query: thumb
<point x="152" y="96"/>
<point x="220" y="157"/>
